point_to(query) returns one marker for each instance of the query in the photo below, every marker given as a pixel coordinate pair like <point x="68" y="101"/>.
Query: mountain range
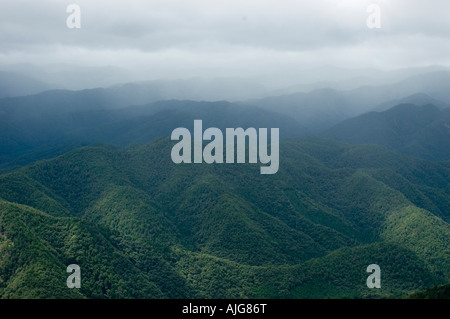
<point x="320" y="109"/>
<point x="422" y="131"/>
<point x="141" y="226"/>
<point x="50" y="123"/>
<point x="34" y="129"/>
<point x="87" y="178"/>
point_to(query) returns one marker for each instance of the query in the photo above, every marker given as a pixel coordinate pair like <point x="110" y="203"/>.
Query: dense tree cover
<point x="419" y="130"/>
<point x="438" y="292"/>
<point x="54" y="122"/>
<point x="141" y="226"/>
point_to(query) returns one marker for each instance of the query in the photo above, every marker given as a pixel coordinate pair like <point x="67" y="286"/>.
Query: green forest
<point x="140" y="226"/>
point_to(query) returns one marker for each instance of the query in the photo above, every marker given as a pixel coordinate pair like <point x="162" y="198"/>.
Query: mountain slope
<point x="418" y="99"/>
<point x="438" y="292"/>
<point x="36" y="249"/>
<point x="422" y="131"/>
<point x="27" y="136"/>
<point x="13" y="84"/>
<point x="321" y="109"/>
<point x="225" y="231"/>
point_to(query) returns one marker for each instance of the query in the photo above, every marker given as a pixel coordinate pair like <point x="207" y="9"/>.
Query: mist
<point x="274" y="43"/>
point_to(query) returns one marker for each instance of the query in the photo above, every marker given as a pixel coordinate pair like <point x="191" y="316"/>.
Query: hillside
<point x="418" y="99"/>
<point x="140" y="226"/>
<point x="422" y="131"/>
<point x="438" y="292"/>
<point x="35" y="131"/>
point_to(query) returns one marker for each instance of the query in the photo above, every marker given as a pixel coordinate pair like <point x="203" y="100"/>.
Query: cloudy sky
<point x="226" y="37"/>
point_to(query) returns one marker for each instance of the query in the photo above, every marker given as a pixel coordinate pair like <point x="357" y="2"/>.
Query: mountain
<point x="417" y="99"/>
<point x="316" y="110"/>
<point x="438" y="292"/>
<point x="45" y="128"/>
<point x="321" y="109"/>
<point x="160" y="118"/>
<point x="13" y="84"/>
<point x="71" y="77"/>
<point x="344" y="79"/>
<point x="116" y="79"/>
<point x="422" y="131"/>
<point x="205" y="89"/>
<point x="60" y="101"/>
<point x="140" y="226"/>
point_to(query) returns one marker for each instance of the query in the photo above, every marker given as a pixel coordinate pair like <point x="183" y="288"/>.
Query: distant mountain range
<point x="28" y="79"/>
<point x="42" y="126"/>
<point x="344" y="79"/>
<point x="67" y="76"/>
<point x="416" y="99"/>
<point x="13" y="84"/>
<point x="320" y="109"/>
<point x="52" y="122"/>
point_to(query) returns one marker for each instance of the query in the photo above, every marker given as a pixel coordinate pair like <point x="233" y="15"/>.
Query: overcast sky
<point x="226" y="37"/>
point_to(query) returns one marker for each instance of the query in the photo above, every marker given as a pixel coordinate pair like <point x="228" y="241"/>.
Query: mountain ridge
<point x="187" y="225"/>
<point x="421" y="131"/>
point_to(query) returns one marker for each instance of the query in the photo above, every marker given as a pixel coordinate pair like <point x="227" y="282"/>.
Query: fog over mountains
<point x="130" y="112"/>
<point x="79" y="201"/>
<point x="321" y="108"/>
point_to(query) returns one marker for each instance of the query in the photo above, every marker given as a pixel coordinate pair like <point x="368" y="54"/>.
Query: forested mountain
<point x="438" y="292"/>
<point x="52" y="122"/>
<point x="140" y="226"/>
<point x="422" y="131"/>
<point x="36" y="130"/>
<point x="416" y="99"/>
<point x="108" y="197"/>
<point x="321" y="109"/>
<point x="213" y="151"/>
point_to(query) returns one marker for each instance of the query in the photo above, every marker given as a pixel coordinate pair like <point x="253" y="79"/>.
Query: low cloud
<point x="180" y="38"/>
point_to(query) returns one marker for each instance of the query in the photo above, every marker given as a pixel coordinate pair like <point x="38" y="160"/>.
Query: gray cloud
<point x="225" y="37"/>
